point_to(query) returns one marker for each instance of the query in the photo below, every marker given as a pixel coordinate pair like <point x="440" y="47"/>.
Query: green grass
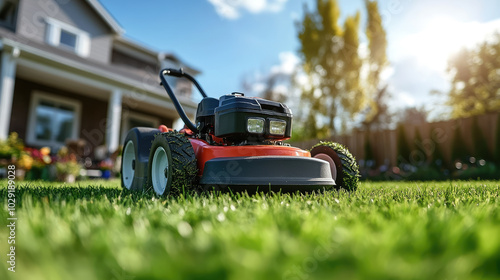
<point x="93" y="230"/>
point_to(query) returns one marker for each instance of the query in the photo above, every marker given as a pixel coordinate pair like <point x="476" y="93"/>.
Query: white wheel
<point x="333" y="168"/>
<point x="172" y="164"/>
<point x="128" y="165"/>
<point x="159" y="171"/>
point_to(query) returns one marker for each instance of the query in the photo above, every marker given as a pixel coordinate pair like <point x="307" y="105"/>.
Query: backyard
<point x="384" y="230"/>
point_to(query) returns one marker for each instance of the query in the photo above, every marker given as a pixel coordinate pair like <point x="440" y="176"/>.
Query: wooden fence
<point x="434" y="135"/>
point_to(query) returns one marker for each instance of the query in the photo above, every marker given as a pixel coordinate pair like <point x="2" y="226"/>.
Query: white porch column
<point x="113" y="121"/>
<point x="7" y="81"/>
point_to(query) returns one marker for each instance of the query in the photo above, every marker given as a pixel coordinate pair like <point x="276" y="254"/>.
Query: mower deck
<point x="280" y="172"/>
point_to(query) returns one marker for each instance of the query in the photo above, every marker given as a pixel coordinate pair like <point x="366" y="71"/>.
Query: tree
<point x="271" y="83"/>
<point x="331" y="59"/>
<point x="413" y="115"/>
<point x="476" y="80"/>
<point x="320" y="37"/>
<point x="377" y="112"/>
<point x="377" y="115"/>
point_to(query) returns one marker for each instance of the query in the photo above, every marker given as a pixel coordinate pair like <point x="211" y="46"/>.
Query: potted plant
<point x="41" y="161"/>
<point x="67" y="167"/>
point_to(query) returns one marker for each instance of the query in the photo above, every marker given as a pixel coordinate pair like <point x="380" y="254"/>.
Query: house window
<point x="53" y="120"/>
<point x="8" y="13"/>
<point x="67" y="37"/>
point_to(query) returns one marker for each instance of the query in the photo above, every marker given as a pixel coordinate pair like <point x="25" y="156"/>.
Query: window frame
<point x="36" y="98"/>
<point x="53" y="37"/>
<point x="11" y="26"/>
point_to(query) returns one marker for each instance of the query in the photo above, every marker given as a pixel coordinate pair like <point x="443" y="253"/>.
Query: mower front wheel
<point x="172" y="164"/>
<point x="343" y="165"/>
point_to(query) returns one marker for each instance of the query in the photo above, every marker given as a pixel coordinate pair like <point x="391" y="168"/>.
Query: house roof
<point x="136" y="46"/>
<point x="106" y="16"/>
<point x="31" y="49"/>
<point x="174" y="58"/>
<point x="158" y="55"/>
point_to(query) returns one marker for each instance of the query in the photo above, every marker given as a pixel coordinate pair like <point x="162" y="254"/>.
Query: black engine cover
<point x="234" y="110"/>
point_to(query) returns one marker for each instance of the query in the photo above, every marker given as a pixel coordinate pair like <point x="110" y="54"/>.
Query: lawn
<point x="385" y="230"/>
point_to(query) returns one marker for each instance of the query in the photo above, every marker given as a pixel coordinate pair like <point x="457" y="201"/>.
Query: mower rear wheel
<point x="134" y="163"/>
<point x="172" y="164"/>
<point x="344" y="168"/>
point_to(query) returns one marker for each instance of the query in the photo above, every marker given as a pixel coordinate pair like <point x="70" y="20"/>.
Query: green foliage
<point x="12" y="147"/>
<point x="68" y="168"/>
<point x="377" y="42"/>
<point x="476" y="80"/>
<point x="377" y="112"/>
<point x="331" y="58"/>
<point x="426" y="173"/>
<point x="403" y="145"/>
<point x="487" y="172"/>
<point x="95" y="230"/>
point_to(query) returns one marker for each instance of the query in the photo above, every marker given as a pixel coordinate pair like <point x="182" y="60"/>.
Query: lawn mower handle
<point x="179" y="73"/>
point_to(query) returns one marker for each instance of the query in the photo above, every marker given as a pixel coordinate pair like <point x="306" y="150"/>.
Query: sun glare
<point x="440" y="38"/>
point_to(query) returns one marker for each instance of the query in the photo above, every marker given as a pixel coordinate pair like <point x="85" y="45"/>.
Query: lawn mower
<point x="236" y="142"/>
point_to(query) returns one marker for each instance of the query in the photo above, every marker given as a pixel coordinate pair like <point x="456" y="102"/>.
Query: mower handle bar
<point x="179" y="73"/>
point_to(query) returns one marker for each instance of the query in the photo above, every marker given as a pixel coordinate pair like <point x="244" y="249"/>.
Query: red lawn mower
<point x="236" y="143"/>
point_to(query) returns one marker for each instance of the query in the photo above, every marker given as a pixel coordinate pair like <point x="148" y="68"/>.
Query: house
<point x="68" y="73"/>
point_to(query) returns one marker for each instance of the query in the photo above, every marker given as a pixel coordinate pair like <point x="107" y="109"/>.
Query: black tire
<point x="346" y="167"/>
<point x="181" y="170"/>
<point x="134" y="174"/>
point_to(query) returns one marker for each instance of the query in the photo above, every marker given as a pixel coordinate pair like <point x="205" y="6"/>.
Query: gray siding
<point x="77" y="13"/>
<point x="132" y="63"/>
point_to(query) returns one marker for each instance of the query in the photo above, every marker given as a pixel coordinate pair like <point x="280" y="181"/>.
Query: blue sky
<point x="229" y="40"/>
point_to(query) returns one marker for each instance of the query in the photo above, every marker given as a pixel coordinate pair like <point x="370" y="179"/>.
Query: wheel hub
<point x="333" y="168"/>
<point x="128" y="165"/>
<point x="159" y="171"/>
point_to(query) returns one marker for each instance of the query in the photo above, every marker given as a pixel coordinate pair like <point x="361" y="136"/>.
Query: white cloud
<point x="288" y="64"/>
<point x="280" y="75"/>
<point x="231" y="9"/>
<point x="258" y="87"/>
<point x="406" y="98"/>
